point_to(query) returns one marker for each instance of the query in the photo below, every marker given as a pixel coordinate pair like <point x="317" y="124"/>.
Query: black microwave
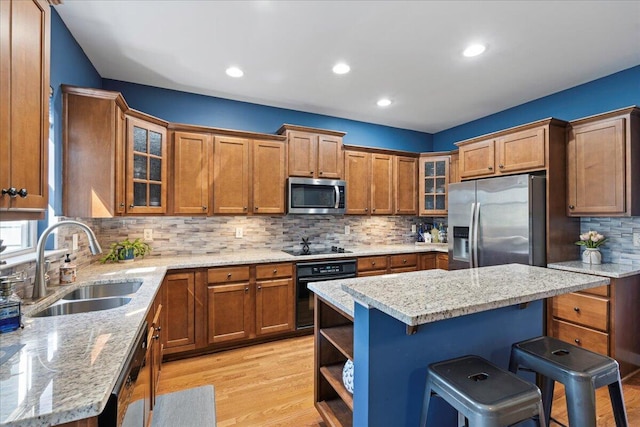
<point x="316" y="196"/>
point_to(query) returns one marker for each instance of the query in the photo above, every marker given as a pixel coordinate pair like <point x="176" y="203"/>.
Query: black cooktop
<point x="323" y="251"/>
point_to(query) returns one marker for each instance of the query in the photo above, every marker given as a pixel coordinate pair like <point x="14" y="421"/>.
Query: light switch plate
<point x="239" y="233"/>
<point x="347" y="229"/>
<point x="636" y="239"/>
<point x="148" y="234"/>
<point x="413" y="228"/>
<point x="74" y="245"/>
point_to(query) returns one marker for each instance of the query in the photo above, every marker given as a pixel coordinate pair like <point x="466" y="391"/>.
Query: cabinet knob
<point x="122" y="204"/>
<point x="22" y="192"/>
<point x="156" y="337"/>
<point x="259" y="287"/>
<point x="490" y="168"/>
<point x="12" y="192"/>
<point x="320" y="172"/>
<point x="246" y="289"/>
<point x="275" y="271"/>
<point x="256" y="208"/>
<point x="373" y="210"/>
<point x="571" y="207"/>
<point x="366" y="209"/>
<point x="373" y="263"/>
<point x="131" y="206"/>
<point x="501" y="166"/>
<point x="577" y="341"/>
<point x="159" y="328"/>
<point x="244" y="208"/>
<point x="404" y="261"/>
<point x="228" y="275"/>
<point x="576" y="309"/>
<point x="310" y="172"/>
<point x="204" y="208"/>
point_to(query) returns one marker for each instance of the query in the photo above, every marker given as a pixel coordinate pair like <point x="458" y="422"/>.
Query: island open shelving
<point x="334" y="341"/>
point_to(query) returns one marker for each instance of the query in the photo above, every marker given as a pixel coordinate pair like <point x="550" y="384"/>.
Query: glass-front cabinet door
<point x="146" y="167"/>
<point x="434" y="180"/>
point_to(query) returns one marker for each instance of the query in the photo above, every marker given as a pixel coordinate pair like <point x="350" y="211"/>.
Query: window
<point x="19" y="237"/>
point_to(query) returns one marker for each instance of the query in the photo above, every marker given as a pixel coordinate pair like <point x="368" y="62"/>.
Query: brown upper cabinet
<point x="192" y="153"/>
<point x="405" y="173"/>
<point x="380" y="183"/>
<point x="434" y="182"/>
<point x="100" y="179"/>
<point x="603" y="164"/>
<point x="24" y="108"/>
<point x="314" y="153"/>
<point x="248" y="176"/>
<point x="454" y="170"/>
<point x="508" y="152"/>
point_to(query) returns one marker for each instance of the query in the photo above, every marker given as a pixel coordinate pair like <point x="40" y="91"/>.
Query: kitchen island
<point x="404" y="322"/>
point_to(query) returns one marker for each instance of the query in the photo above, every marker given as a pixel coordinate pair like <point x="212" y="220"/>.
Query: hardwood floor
<point x="263" y="385"/>
<point x="271" y="384"/>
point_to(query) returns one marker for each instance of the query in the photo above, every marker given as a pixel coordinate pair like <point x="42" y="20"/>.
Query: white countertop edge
<point x="616" y="271"/>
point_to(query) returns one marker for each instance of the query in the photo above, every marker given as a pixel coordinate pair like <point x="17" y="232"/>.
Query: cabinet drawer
<point x="406" y="260"/>
<point x="272" y="271"/>
<point x="581" y="336"/>
<point x="602" y="291"/>
<point x="372" y="263"/>
<point x="228" y="274"/>
<point x="582" y="309"/>
<point x="371" y="273"/>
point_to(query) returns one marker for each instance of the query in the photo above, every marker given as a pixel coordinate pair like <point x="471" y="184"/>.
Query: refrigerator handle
<point x="476" y="228"/>
<point x="471" y="233"/>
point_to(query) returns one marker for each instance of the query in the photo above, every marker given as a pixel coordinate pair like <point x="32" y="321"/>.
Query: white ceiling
<point x="409" y="51"/>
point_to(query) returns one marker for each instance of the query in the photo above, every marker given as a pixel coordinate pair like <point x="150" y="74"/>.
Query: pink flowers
<point x="591" y="239"/>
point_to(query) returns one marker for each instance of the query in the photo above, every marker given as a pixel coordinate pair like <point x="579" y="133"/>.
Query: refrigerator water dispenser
<point x="461" y="243"/>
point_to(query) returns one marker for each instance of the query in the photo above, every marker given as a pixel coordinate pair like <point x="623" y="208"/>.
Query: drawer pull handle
<point x="577" y="340"/>
<point x="228" y="275"/>
<point x="275" y="271"/>
<point x="576" y="309"/>
<point x="373" y="263"/>
<point x="404" y="261"/>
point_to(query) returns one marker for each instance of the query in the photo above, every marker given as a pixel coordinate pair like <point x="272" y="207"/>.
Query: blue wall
<point x="615" y="91"/>
<point x="69" y="65"/>
<point x="183" y="107"/>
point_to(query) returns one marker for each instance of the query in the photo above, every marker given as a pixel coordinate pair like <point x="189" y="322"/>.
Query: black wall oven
<point x="307" y="272"/>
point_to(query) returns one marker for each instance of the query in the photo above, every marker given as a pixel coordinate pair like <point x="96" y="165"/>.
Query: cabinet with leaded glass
<point x="433" y="183"/>
<point x="146" y="167"/>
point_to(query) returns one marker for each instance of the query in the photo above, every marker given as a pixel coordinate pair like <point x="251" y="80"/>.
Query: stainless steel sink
<point x="104" y="290"/>
<point x="82" y="306"/>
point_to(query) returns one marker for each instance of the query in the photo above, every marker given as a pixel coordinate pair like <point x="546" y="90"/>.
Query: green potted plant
<point x="126" y="251"/>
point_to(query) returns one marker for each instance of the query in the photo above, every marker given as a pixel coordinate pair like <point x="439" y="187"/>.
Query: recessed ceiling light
<point x="341" y="68"/>
<point x="474" y="50"/>
<point x="234" y="72"/>
<point x="384" y="102"/>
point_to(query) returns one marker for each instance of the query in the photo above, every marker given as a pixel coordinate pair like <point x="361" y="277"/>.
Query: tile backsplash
<point x="619" y="233"/>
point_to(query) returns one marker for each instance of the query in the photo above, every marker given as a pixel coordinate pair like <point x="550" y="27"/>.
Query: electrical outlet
<point x="636" y="239"/>
<point x="239" y="233"/>
<point x="74" y="245"/>
<point x="347" y="229"/>
<point x="147" y="234"/>
<point x="413" y="228"/>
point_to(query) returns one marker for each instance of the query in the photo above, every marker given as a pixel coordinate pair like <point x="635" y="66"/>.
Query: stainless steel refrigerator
<point x="497" y="221"/>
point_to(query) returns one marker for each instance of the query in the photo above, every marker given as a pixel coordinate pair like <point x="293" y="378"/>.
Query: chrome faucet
<point x="40" y="285"/>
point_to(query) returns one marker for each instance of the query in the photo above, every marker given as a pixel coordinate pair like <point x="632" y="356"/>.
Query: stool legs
<point x="617" y="402"/>
<point x="547" y="386"/>
<point x="581" y="404"/>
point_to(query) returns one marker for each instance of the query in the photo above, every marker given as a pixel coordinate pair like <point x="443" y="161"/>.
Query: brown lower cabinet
<point x="400" y="263"/>
<point x="602" y="319"/>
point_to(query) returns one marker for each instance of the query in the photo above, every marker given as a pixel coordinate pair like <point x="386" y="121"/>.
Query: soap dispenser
<point x="67" y="272"/>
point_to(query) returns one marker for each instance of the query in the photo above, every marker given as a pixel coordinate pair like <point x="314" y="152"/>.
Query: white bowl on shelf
<point x="347" y="376"/>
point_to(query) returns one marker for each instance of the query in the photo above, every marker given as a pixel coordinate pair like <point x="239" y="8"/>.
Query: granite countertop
<point x="615" y="271"/>
<point x="427" y="296"/>
<point x="66" y="366"/>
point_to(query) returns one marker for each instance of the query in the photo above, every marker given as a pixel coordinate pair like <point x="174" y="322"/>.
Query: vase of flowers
<point x="591" y="240"/>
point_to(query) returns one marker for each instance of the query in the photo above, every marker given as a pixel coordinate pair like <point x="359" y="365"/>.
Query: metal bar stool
<point x="485" y="394"/>
<point x="580" y="371"/>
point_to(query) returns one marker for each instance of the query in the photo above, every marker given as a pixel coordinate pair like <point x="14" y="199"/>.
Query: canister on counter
<point x="67" y="272"/>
